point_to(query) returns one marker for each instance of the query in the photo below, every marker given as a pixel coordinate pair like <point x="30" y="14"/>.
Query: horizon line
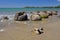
<point x="30" y="6"/>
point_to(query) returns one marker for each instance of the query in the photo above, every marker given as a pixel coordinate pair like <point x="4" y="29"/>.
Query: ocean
<point x="10" y="11"/>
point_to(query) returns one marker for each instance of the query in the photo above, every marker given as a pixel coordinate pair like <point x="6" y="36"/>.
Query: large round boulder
<point x="23" y="17"/>
<point x="43" y="14"/>
<point x="35" y="17"/>
<point x="20" y="16"/>
<point x="17" y="15"/>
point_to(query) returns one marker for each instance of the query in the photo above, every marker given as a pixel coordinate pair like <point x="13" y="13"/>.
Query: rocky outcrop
<point x="20" y="16"/>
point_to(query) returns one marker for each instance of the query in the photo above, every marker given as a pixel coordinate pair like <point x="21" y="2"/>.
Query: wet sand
<point x="22" y="30"/>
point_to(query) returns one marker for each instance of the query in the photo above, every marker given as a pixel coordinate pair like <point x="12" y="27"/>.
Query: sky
<point x="23" y="3"/>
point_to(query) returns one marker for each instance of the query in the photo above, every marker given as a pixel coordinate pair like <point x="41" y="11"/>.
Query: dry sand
<point x="22" y="30"/>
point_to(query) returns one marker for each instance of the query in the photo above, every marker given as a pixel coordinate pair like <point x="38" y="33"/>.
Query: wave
<point x="11" y="17"/>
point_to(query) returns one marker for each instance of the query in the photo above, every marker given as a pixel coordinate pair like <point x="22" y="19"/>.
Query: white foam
<point x="11" y="17"/>
<point x="1" y="21"/>
<point x="1" y="30"/>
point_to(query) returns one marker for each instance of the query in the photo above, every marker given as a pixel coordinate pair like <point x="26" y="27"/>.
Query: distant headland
<point x="43" y="7"/>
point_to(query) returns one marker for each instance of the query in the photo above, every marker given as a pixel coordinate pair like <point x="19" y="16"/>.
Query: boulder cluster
<point x="35" y="16"/>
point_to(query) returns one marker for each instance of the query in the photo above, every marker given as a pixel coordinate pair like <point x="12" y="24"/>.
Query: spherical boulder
<point x="17" y="15"/>
<point x="35" y="17"/>
<point x="43" y="14"/>
<point x="20" y="16"/>
<point x="23" y="17"/>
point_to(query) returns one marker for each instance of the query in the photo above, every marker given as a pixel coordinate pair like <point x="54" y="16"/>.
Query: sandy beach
<point x="23" y="30"/>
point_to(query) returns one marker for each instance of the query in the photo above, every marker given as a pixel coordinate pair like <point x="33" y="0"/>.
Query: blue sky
<point x="23" y="3"/>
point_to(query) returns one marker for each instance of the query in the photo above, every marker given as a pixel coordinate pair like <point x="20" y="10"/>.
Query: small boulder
<point x="5" y="18"/>
<point x="37" y="31"/>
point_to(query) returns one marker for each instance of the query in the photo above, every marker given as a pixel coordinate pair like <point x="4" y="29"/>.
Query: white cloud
<point x="58" y="0"/>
